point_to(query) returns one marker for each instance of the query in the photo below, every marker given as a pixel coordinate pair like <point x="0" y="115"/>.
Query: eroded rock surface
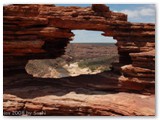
<point x="43" y="31"/>
<point x="83" y="95"/>
<point x="82" y="104"/>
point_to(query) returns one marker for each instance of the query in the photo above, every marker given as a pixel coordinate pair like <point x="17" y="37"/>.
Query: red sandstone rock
<point x="80" y="104"/>
<point x="73" y="98"/>
<point x="137" y="84"/>
<point x="100" y="8"/>
<point x="25" y="21"/>
<point x="144" y="59"/>
<point x="43" y="31"/>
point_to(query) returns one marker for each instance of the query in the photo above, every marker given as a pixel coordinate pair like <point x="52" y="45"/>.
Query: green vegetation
<point x="101" y="63"/>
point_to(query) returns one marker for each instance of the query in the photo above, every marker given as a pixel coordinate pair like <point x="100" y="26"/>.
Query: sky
<point x="145" y="13"/>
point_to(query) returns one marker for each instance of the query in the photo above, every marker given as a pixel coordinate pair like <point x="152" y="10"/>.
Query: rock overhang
<point x="50" y="27"/>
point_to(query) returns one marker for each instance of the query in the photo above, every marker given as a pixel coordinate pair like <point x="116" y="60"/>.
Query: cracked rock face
<point x="43" y="31"/>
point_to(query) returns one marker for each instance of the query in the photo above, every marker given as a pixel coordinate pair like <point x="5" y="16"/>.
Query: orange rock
<point x="43" y="31"/>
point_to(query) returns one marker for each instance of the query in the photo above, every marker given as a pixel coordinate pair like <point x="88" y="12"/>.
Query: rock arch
<point x="43" y="31"/>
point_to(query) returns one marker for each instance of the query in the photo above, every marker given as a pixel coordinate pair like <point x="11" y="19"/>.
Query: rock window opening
<point x="36" y="31"/>
<point x="88" y="53"/>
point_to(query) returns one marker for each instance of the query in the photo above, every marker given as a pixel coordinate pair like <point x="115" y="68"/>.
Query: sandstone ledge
<point x="50" y="27"/>
<point x="99" y="94"/>
<point x="69" y="99"/>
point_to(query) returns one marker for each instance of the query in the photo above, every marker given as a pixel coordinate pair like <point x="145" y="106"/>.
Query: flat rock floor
<point x="82" y="95"/>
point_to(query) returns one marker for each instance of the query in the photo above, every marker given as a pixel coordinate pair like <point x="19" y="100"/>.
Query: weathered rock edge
<point x="43" y="31"/>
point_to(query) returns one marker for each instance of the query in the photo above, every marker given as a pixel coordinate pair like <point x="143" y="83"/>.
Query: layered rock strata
<point x="43" y="31"/>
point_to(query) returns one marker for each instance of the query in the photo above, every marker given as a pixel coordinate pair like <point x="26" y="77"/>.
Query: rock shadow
<point x="27" y="87"/>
